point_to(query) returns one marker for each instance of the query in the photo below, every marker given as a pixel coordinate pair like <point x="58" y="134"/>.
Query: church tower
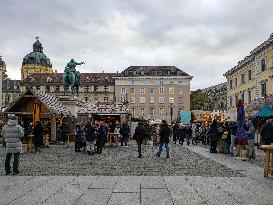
<point x="36" y="61"/>
<point x="4" y="68"/>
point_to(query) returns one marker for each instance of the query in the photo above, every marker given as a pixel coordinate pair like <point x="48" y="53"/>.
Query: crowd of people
<point x="94" y="135"/>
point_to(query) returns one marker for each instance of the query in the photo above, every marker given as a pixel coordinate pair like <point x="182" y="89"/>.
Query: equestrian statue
<point x="72" y="77"/>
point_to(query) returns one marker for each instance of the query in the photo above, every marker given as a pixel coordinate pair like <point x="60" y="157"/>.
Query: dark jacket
<point x="164" y="134"/>
<point x="214" y="134"/>
<point x="100" y="135"/>
<point x="64" y="128"/>
<point x="78" y="133"/>
<point x="38" y="134"/>
<point x="176" y="129"/>
<point x="267" y="131"/>
<point x="124" y="130"/>
<point x="89" y="132"/>
<point x="139" y="133"/>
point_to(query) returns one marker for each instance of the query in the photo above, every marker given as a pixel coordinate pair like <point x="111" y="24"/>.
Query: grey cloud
<point x="204" y="38"/>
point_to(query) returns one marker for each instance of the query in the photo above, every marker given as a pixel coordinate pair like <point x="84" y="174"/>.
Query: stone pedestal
<point x="71" y="102"/>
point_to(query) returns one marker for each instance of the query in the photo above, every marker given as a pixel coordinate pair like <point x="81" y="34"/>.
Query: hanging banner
<point x="185" y="117"/>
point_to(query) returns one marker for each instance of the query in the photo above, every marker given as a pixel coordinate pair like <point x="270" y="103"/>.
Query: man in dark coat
<point x="267" y="133"/>
<point x="90" y="137"/>
<point x="64" y="130"/>
<point x="164" y="134"/>
<point x="214" y="136"/>
<point x="124" y="132"/>
<point x="175" y="132"/>
<point x="78" y="132"/>
<point x="139" y="136"/>
<point x="38" y="133"/>
<point x="100" y="137"/>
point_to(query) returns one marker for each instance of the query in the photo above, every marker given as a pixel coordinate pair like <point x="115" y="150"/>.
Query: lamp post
<point x="171" y="112"/>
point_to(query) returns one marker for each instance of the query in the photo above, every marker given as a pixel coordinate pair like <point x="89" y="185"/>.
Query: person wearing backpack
<point x="13" y="134"/>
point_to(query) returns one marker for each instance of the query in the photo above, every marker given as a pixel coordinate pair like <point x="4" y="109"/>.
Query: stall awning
<point x="265" y="112"/>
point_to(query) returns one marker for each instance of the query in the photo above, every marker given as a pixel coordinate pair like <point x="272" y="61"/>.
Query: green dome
<point x="37" y="56"/>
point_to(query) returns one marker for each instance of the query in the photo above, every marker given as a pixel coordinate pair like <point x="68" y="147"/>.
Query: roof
<point x="265" y="112"/>
<point x="86" y="78"/>
<point x="133" y="71"/>
<point x="50" y="101"/>
<point x="11" y="85"/>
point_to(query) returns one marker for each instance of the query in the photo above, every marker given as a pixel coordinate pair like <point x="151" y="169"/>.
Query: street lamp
<point x="171" y="112"/>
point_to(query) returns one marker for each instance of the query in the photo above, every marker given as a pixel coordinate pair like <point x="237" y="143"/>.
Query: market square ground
<point x="58" y="175"/>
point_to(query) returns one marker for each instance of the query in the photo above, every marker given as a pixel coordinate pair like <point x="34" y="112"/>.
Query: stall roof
<point x="265" y="112"/>
<point x="50" y="101"/>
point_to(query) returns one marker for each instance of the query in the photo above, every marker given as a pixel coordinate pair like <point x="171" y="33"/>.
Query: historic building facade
<point x="36" y="61"/>
<point x="154" y="92"/>
<point x="94" y="87"/>
<point x="251" y="78"/>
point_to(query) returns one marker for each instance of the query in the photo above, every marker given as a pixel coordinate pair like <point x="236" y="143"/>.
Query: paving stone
<point x="155" y="196"/>
<point x="149" y="182"/>
<point x="94" y="196"/>
<point x="128" y="184"/>
<point x="124" y="199"/>
<point x="104" y="182"/>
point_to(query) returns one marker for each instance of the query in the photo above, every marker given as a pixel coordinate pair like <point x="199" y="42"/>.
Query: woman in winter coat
<point x="90" y="137"/>
<point x="38" y="133"/>
<point x="78" y="132"/>
<point x="12" y="133"/>
<point x="214" y="136"/>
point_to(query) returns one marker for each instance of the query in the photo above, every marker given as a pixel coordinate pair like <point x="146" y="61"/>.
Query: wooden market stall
<point x="36" y="105"/>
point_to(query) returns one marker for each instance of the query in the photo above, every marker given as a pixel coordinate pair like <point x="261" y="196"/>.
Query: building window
<point x="161" y="82"/>
<point x="236" y="99"/>
<point x="142" y="111"/>
<point x="236" y="82"/>
<point x="96" y="88"/>
<point x="86" y="88"/>
<point x="230" y="102"/>
<point x="249" y="96"/>
<point x="132" y="90"/>
<point x="230" y="84"/>
<point x="161" y="111"/>
<point x="243" y="78"/>
<point x="152" y="111"/>
<point x="48" y="89"/>
<point x="96" y="99"/>
<point x="171" y="99"/>
<point x="263" y="89"/>
<point x="133" y="111"/>
<point x="152" y="100"/>
<point x="180" y="82"/>
<point x="263" y="65"/>
<point x="243" y="97"/>
<point x="132" y="82"/>
<point x="171" y="82"/>
<point x="123" y="90"/>
<point x="161" y="90"/>
<point x="105" y="99"/>
<point x="181" y="100"/>
<point x="142" y="99"/>
<point x="132" y="100"/>
<point x="180" y="91"/>
<point x="161" y="99"/>
<point x="57" y="89"/>
<point x="249" y="75"/>
<point x="106" y="88"/>
<point x="85" y="99"/>
<point x="142" y="90"/>
<point x="152" y="91"/>
<point x="171" y="90"/>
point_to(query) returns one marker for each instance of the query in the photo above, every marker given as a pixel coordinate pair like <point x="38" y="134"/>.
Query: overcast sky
<point x="204" y="38"/>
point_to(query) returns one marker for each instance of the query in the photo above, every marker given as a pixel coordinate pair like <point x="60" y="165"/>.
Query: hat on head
<point x="14" y="117"/>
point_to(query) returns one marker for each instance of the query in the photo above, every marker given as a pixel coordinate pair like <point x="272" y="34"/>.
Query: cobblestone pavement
<point x="119" y="161"/>
<point x="191" y="176"/>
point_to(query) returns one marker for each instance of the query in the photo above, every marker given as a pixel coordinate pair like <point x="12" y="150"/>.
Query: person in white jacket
<point x="12" y="133"/>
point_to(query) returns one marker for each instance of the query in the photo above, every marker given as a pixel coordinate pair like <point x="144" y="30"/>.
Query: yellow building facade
<point x="251" y="78"/>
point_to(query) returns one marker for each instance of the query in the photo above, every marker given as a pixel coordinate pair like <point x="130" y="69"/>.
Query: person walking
<point x="188" y="133"/>
<point x="267" y="133"/>
<point x="90" y="137"/>
<point x="164" y="134"/>
<point x="175" y="132"/>
<point x="100" y="137"/>
<point x="233" y="132"/>
<point x="214" y="136"/>
<point x="64" y="130"/>
<point x="78" y="133"/>
<point x="193" y="134"/>
<point x="250" y="140"/>
<point x="124" y="132"/>
<point x="13" y="134"/>
<point x="38" y="133"/>
<point x="139" y="136"/>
